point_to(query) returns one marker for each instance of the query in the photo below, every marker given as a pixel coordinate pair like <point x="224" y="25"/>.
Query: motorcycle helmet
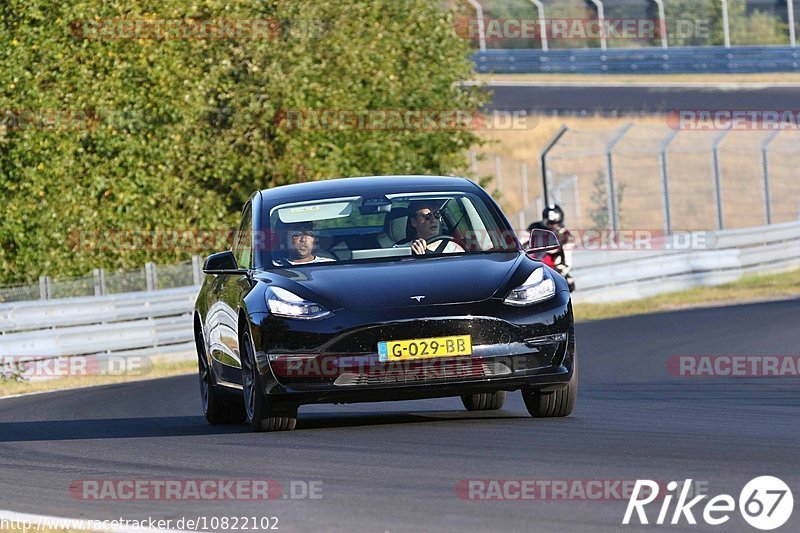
<point x="553" y="215"/>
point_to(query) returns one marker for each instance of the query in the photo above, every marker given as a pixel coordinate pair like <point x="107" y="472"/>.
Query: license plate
<point x="425" y="348"/>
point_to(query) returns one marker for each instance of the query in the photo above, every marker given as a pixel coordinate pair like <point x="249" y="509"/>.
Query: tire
<point x="217" y="407"/>
<point x="557" y="403"/>
<point x="259" y="413"/>
<point x="484" y="401"/>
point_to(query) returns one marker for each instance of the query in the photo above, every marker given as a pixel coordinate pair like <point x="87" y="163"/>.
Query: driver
<point x="426" y="220"/>
<point x="301" y="239"/>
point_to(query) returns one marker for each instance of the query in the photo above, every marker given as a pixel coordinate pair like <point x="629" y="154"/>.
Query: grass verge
<point x="748" y="289"/>
<point x="160" y="369"/>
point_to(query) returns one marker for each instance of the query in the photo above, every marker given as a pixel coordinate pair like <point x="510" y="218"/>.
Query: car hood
<point x="439" y="280"/>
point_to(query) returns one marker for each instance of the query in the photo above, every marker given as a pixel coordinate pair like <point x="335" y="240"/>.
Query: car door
<point x="229" y="291"/>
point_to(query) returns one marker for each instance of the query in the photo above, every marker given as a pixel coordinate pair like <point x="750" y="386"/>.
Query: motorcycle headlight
<point x="537" y="288"/>
<point x="287" y="304"/>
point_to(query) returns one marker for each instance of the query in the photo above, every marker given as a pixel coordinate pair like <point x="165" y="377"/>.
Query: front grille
<point x="424" y="373"/>
<point x="482" y="331"/>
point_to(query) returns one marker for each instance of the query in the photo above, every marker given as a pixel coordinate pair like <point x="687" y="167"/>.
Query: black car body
<point x="272" y="335"/>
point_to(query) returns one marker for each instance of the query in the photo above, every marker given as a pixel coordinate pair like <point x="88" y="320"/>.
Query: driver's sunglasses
<point x="299" y="234"/>
<point x="427" y="217"/>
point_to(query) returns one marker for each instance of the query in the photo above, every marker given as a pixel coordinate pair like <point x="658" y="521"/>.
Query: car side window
<point x="243" y="242"/>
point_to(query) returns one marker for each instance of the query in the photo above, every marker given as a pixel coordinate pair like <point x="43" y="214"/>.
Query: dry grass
<point x="518" y="145"/>
<point x="159" y="369"/>
<point x="581" y="153"/>
<point x="527" y="144"/>
<point x="748" y="289"/>
<point x="776" y="77"/>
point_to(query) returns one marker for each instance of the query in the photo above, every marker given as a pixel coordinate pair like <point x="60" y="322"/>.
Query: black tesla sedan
<point x="378" y="289"/>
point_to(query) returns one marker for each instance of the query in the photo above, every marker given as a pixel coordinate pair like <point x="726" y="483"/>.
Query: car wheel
<point x="553" y="403"/>
<point x="217" y="408"/>
<point x="485" y="401"/>
<point x="260" y="414"/>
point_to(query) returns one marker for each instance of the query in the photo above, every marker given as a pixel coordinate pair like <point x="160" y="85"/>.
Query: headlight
<point x="287" y="304"/>
<point x="537" y="288"/>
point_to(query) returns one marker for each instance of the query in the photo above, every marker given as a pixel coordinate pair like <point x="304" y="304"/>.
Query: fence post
<point x="523" y="174"/>
<point x="99" y="281"/>
<point x="718" y="178"/>
<point x="662" y="24"/>
<point x="498" y="176"/>
<point x="662" y="156"/>
<point x="543" y="159"/>
<point x="765" y="170"/>
<point x="481" y="24"/>
<point x="542" y="25"/>
<point x="601" y="19"/>
<point x="151" y="276"/>
<point x="613" y="215"/>
<point x="44" y="288"/>
<point x="473" y="163"/>
<point x="726" y="23"/>
<point x="197" y="269"/>
<point x="792" y="30"/>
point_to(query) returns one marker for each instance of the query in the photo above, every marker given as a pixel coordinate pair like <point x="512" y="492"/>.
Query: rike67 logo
<point x="766" y="503"/>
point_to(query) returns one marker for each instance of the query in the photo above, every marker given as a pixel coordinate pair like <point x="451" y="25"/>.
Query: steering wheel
<point x="436" y="238"/>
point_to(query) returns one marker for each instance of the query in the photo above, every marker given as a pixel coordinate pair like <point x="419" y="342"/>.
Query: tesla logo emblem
<point x="417" y="298"/>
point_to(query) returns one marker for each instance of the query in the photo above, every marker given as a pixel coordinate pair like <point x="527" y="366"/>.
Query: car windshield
<point x="385" y="228"/>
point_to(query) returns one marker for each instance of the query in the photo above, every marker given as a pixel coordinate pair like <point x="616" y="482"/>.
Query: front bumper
<point x="327" y="362"/>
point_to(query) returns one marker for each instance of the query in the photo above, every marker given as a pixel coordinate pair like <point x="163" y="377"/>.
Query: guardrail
<point x="137" y="323"/>
<point x="680" y="60"/>
<point x="160" y="322"/>
<point x="607" y="276"/>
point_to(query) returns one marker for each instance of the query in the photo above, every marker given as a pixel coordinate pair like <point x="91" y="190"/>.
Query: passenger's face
<point x="302" y="242"/>
<point x="426" y="223"/>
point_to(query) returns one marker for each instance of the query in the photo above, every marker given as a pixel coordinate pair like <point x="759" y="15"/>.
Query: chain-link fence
<point x="575" y="24"/>
<point x="656" y="178"/>
<point x="147" y="278"/>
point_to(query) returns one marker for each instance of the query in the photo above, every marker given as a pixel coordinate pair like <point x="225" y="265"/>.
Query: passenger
<point x="301" y="240"/>
<point x="426" y="220"/>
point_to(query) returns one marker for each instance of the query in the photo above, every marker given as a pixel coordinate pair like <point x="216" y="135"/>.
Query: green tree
<point x="181" y="131"/>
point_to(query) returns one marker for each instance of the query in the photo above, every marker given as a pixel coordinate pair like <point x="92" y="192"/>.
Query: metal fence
<point x="653" y="177"/>
<point x="150" y="277"/>
<point x="607" y="24"/>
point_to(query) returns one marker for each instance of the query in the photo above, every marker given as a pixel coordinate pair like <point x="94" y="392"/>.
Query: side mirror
<point x="542" y="242"/>
<point x="221" y="263"/>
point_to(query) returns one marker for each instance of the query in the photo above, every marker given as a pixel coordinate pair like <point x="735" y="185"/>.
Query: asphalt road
<point x="395" y="466"/>
<point x="636" y="99"/>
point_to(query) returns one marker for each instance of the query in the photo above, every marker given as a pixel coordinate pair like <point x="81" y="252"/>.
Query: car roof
<point x="365" y="185"/>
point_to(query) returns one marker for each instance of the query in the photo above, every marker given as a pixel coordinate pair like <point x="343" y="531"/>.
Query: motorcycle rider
<point x="560" y="261"/>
